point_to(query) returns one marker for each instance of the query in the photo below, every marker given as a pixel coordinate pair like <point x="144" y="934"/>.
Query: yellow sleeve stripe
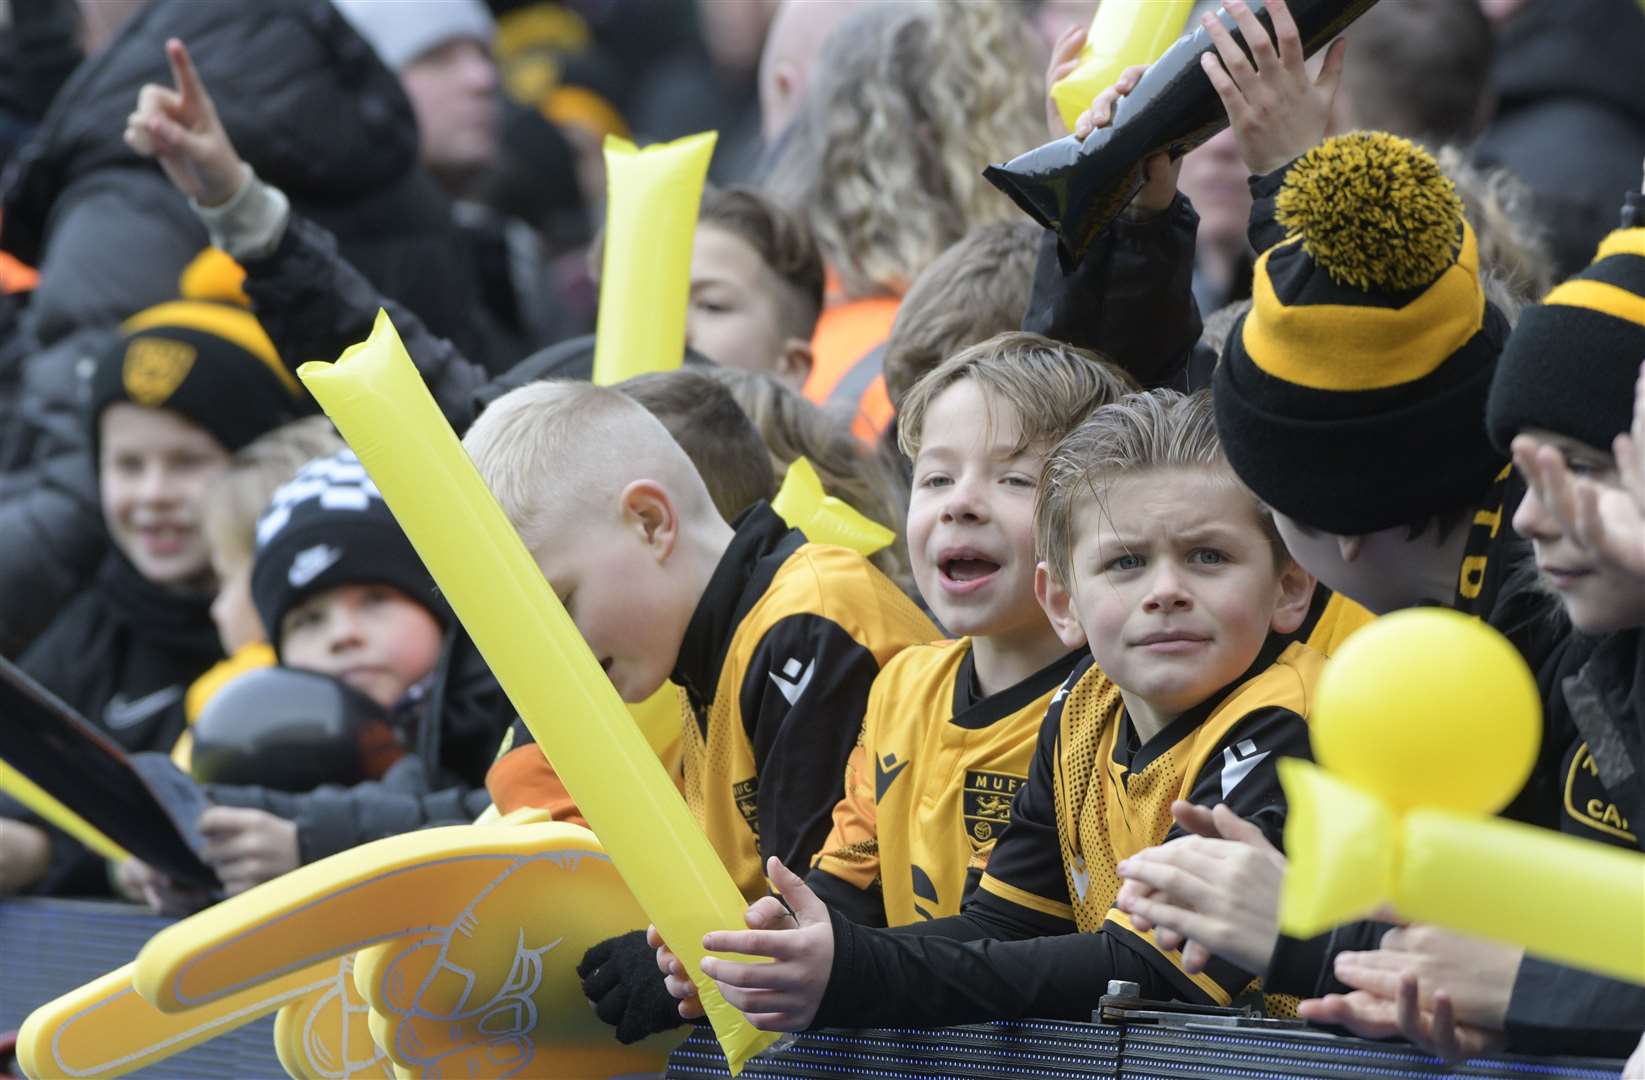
<point x="1213" y="989"/>
<point x="1023" y="898"/>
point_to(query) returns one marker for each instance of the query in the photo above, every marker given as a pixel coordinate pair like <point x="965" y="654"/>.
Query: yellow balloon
<point x="1123" y="33"/>
<point x="652" y="196"/>
<point x="379" y="403"/>
<point x="1428" y="707"/>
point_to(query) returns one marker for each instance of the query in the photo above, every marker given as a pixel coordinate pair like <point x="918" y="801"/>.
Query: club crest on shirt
<point x="747" y="794"/>
<point x="1587" y="801"/>
<point x="987" y="805"/>
<point x="154" y="369"/>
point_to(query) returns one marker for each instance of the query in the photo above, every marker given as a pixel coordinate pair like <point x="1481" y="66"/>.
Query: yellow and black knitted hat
<point x="1352" y="396"/>
<point x="1571" y="363"/>
<point x="208" y="360"/>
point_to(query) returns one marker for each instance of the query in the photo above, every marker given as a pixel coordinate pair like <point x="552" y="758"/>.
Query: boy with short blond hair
<point x="950" y="726"/>
<point x="1158" y="559"/>
<point x="775" y="640"/>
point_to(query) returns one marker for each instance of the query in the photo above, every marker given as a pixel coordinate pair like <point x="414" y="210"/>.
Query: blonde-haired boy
<point x="950" y="726"/>
<point x="1169" y="569"/>
<point x="774" y="640"/>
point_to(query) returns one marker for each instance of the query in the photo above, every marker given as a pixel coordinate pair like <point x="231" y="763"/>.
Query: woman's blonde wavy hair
<point x="908" y="102"/>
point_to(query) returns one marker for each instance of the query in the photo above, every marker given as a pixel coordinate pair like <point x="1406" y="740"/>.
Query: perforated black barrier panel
<point x="1055" y="1051"/>
<point x="48" y="947"/>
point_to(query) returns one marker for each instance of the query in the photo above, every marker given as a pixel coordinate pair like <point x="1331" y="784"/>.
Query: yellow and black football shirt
<point x="1040" y="936"/>
<point x="776" y="667"/>
<point x="928" y="788"/>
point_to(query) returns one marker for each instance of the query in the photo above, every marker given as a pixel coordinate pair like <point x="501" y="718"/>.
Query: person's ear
<point x="650" y="513"/>
<point x="794" y="362"/>
<point x="1058" y="605"/>
<point x="1349" y="547"/>
<point x="1295" y="597"/>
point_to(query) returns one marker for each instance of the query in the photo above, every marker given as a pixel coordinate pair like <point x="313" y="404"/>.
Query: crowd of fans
<point x="1373" y="346"/>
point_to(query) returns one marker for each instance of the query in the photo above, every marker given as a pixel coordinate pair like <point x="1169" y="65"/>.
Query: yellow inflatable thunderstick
<point x="824" y="519"/>
<point x="645" y="272"/>
<point x="382" y="408"/>
<point x="1123" y="33"/>
<point x="1391" y="817"/>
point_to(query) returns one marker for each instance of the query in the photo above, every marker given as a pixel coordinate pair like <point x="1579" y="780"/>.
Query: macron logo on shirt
<point x="793" y="681"/>
<point x="1237" y="762"/>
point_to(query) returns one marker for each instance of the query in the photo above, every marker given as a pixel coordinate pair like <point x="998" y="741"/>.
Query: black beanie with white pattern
<point x="327" y="527"/>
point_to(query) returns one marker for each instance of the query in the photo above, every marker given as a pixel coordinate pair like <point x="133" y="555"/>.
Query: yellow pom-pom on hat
<point x="1351" y="396"/>
<point x="214" y="275"/>
<point x="1373" y="210"/>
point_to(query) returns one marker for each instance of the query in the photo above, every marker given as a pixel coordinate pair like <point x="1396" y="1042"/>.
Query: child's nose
<point x="1166" y="591"/>
<point x="964" y="503"/>
<point x="1532" y="520"/>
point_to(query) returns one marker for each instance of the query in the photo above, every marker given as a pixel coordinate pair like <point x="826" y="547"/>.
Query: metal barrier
<point x="1048" y="1050"/>
<point x="49" y="947"/>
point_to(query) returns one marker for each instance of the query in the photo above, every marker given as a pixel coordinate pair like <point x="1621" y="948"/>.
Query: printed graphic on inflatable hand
<point x="324" y="1035"/>
<point x="494" y="992"/>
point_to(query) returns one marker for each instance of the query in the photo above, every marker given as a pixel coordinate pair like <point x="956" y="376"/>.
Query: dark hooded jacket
<point x="308" y="104"/>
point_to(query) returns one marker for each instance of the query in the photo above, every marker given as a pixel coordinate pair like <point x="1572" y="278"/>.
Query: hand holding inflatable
<point x="1391" y="818"/>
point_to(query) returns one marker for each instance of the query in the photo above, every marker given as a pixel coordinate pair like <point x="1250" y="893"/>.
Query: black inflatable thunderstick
<point x="142" y="802"/>
<point x="1075" y="189"/>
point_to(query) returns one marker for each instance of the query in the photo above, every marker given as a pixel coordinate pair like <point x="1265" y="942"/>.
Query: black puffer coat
<point x="312" y="109"/>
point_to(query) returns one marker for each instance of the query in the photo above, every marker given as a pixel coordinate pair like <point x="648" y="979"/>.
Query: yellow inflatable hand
<point x="104" y="1029"/>
<point x="381" y="406"/>
<point x="652" y="196"/>
<point x="1392" y="818"/>
<point x="823" y="518"/>
<point x="1123" y="33"/>
<point x="469" y="937"/>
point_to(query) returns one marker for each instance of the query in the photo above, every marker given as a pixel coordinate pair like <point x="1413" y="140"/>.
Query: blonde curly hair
<point x="908" y="103"/>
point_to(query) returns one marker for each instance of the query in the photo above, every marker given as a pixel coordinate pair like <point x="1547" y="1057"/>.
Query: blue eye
<point x="1125" y="562"/>
<point x="934" y="480"/>
<point x="1207" y="557"/>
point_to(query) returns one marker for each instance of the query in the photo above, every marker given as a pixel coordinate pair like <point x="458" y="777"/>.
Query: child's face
<point x="971" y="517"/>
<point x="238" y="624"/>
<point x="1598" y="599"/>
<point x="1175" y="586"/>
<point x="373" y="637"/>
<point x="152" y="474"/>
<point x="735" y="317"/>
<point x="615" y="581"/>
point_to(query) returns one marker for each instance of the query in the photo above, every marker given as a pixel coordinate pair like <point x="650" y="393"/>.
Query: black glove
<point x="621" y="978"/>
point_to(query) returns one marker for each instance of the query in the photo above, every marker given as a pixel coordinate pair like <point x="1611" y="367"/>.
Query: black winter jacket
<point x="455" y="733"/>
<point x="312" y="109"/>
<point x="122" y="655"/>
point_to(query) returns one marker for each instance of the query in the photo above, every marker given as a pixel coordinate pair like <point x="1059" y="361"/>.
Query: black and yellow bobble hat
<point x="1571" y="363"/>
<point x="204" y="357"/>
<point x="1352" y="396"/>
